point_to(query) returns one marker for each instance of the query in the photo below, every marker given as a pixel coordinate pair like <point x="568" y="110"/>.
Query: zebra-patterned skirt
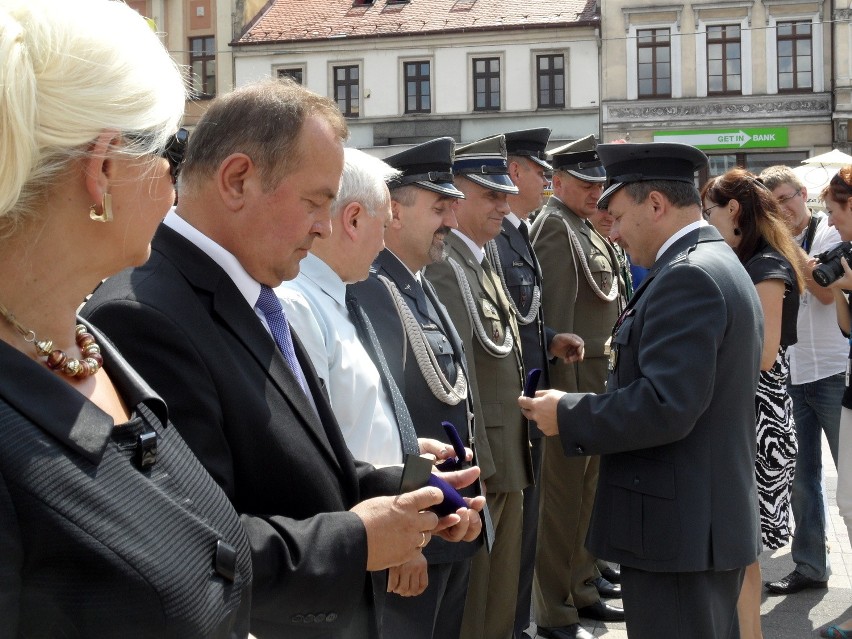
<point x="776" y="452"/>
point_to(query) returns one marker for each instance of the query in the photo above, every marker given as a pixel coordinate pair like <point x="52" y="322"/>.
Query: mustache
<point x="444" y="230"/>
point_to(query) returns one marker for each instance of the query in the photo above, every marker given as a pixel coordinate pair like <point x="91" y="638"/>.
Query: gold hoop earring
<point x="106" y="207"/>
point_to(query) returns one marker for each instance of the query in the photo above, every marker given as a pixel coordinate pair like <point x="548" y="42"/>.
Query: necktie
<point x="270" y="306"/>
<point x="407" y="434"/>
<point x="524" y="230"/>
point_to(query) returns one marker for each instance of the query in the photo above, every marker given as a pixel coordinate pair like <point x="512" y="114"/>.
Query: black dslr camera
<point x="830" y="269"/>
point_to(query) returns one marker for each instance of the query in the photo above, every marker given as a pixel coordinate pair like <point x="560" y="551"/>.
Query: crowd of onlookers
<point x="328" y="395"/>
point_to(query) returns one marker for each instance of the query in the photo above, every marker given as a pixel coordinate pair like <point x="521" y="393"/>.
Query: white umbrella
<point x="832" y="158"/>
<point x="816" y="178"/>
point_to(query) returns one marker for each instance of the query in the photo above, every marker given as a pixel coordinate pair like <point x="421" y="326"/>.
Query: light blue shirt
<point x="315" y="304"/>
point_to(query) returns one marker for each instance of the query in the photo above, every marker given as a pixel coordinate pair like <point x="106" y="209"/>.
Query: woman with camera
<point x="750" y="220"/>
<point x="109" y="526"/>
<point x="837" y="197"/>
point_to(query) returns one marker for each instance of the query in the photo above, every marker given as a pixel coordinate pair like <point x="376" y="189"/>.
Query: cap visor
<point x="589" y="174"/>
<point x="541" y="163"/>
<point x="495" y="182"/>
<point x="603" y="200"/>
<point x="444" y="188"/>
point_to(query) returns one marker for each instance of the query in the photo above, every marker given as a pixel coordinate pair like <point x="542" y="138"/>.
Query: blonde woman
<point x="108" y="524"/>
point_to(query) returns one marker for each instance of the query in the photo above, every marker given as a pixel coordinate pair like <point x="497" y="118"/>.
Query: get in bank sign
<point x="728" y="138"/>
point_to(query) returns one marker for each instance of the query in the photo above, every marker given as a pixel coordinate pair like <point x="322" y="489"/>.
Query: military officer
<point x="426" y="359"/>
<point x="581" y="285"/>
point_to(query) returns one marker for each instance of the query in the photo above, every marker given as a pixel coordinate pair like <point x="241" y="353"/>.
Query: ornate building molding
<point x="718" y="111"/>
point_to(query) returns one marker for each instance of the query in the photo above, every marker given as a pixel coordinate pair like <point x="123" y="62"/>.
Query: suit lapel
<point x="235" y="314"/>
<point x="518" y="244"/>
<point x="405" y="283"/>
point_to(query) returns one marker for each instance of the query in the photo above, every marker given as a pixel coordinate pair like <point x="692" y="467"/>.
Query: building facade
<point x="405" y="71"/>
<point x="198" y="34"/>
<point x="748" y="81"/>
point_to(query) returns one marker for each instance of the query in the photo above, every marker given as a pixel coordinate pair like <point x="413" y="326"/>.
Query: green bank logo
<point x="727" y="138"/>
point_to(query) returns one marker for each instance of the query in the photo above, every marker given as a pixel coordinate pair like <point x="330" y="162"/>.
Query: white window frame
<point x="303" y="66"/>
<point x="432" y="83"/>
<point x="632" y="58"/>
<point x="471" y="94"/>
<point x="772" y="49"/>
<point x="534" y="54"/>
<point x="332" y="64"/>
<point x="746" y="55"/>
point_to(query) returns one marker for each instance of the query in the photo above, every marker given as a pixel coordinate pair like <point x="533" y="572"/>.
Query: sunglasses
<point x="175" y="151"/>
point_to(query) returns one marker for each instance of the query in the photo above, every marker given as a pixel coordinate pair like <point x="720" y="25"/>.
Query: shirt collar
<point x="324" y="277"/>
<point x="478" y="253"/>
<point x="245" y="283"/>
<point x="679" y="234"/>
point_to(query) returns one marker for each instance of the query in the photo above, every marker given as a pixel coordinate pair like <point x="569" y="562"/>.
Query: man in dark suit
<point x="581" y="287"/>
<point x="201" y="323"/>
<point x="676" y="505"/>
<point x="426" y="358"/>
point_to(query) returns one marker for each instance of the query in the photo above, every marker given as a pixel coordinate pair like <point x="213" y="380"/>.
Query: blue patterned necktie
<point x="270" y="306"/>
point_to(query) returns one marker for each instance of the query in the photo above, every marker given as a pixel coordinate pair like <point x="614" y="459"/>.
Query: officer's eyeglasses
<point x="783" y="199"/>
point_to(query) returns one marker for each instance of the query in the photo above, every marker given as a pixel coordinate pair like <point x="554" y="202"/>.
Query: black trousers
<point x="698" y="605"/>
<point x="434" y="614"/>
<point x="529" y="538"/>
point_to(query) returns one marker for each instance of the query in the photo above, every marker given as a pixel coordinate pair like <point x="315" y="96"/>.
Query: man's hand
<point x="410" y="579"/>
<point x="439" y="450"/>
<point x="567" y="347"/>
<point x="542" y="410"/>
<point x="398" y="527"/>
<point x="468" y="524"/>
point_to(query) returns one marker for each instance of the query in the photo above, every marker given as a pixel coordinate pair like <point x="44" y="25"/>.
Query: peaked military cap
<point x="428" y="165"/>
<point x="580" y="159"/>
<point x="484" y="162"/>
<point x="626" y="163"/>
<point x="529" y="143"/>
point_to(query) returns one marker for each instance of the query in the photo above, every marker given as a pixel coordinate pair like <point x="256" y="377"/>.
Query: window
<point x="724" y="59"/>
<point x="486" y="84"/>
<point x="347" y="93"/>
<point x="297" y="74"/>
<point x="550" y="74"/>
<point x="418" y="91"/>
<point x="795" y="57"/>
<point x="202" y="61"/>
<point x="655" y="68"/>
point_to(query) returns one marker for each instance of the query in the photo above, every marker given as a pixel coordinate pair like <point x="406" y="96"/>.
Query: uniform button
<point x="309" y="618"/>
<point x="330" y="617"/>
<point x="297" y="618"/>
<point x="579" y="450"/>
<point x="635" y="481"/>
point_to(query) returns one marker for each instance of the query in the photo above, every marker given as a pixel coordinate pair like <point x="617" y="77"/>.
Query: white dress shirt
<point x="821" y="350"/>
<point x="315" y="304"/>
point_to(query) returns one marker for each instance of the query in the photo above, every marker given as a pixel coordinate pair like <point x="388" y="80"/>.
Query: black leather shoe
<point x="574" y="631"/>
<point x="601" y="611"/>
<point x="794" y="582"/>
<point x="606" y="589"/>
<point x="611" y="574"/>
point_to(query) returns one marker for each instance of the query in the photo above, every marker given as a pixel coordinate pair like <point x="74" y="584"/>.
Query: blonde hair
<point x="68" y="72"/>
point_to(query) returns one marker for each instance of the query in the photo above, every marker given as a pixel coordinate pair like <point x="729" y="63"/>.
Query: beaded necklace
<point x="58" y="360"/>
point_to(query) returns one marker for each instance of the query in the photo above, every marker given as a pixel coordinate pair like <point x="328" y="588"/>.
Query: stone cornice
<point x="716" y="111"/>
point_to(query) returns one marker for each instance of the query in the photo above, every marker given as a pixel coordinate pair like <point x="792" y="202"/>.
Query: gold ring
<point x="422" y="541"/>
